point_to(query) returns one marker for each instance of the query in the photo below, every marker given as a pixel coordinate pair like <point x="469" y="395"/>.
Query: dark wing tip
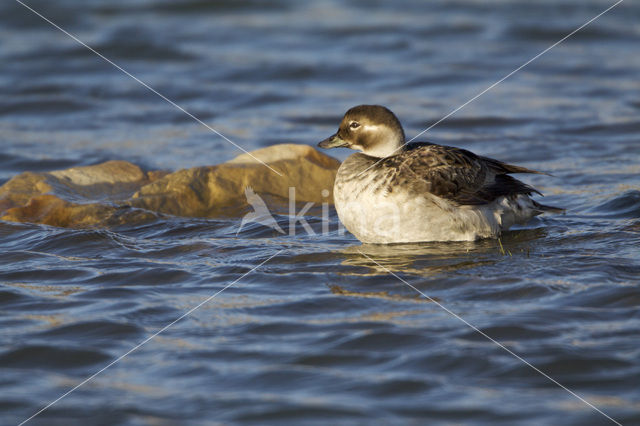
<point x="503" y="168"/>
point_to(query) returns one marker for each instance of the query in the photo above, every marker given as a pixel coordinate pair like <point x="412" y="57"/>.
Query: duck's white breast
<point x="376" y="212"/>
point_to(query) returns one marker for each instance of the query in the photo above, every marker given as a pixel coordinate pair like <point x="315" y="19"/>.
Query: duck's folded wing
<point x="458" y="175"/>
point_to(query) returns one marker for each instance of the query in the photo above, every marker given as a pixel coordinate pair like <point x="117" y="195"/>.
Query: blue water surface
<point x="328" y="330"/>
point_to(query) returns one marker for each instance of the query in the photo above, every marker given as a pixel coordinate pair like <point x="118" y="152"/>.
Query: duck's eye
<point x="354" y="125"/>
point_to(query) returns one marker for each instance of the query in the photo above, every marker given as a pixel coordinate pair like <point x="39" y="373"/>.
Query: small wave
<point x="480" y="121"/>
<point x="9" y="297"/>
<point x="128" y="42"/>
<point x="92" y="330"/>
<point x="49" y="357"/>
<point x="603" y="129"/>
<point x="553" y="33"/>
<point x="19" y="163"/>
<point x="57" y="105"/>
<point x="203" y="6"/>
<point x="626" y="205"/>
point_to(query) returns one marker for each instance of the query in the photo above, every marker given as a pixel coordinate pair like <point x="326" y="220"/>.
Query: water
<point x="322" y="332"/>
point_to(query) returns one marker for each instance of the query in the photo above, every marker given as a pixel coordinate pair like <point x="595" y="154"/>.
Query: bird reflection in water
<point x="428" y="259"/>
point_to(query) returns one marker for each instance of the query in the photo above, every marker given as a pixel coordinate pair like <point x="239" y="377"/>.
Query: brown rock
<point x="219" y="190"/>
<point x="104" y="194"/>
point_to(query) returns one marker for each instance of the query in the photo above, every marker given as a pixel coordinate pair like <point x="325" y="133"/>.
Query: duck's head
<point x="372" y="129"/>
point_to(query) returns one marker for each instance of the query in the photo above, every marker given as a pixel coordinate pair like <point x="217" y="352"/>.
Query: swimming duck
<point x="392" y="192"/>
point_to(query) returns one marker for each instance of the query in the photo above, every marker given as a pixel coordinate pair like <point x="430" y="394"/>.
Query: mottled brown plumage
<point x="452" y="173"/>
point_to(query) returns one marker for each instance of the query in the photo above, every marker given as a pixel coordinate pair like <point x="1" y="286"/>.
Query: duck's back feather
<point x="454" y="174"/>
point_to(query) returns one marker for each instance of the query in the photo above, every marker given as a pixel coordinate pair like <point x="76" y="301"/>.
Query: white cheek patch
<point x="385" y="140"/>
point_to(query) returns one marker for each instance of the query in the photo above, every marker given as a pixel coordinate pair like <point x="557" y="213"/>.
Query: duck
<point x="392" y="191"/>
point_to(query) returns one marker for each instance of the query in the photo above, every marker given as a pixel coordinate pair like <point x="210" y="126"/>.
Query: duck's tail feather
<point x="547" y="209"/>
<point x="499" y="167"/>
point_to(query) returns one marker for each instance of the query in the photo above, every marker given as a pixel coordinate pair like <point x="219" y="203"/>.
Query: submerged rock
<point x="118" y="192"/>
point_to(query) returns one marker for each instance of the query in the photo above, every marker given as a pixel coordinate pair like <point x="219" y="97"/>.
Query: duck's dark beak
<point x="333" y="141"/>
